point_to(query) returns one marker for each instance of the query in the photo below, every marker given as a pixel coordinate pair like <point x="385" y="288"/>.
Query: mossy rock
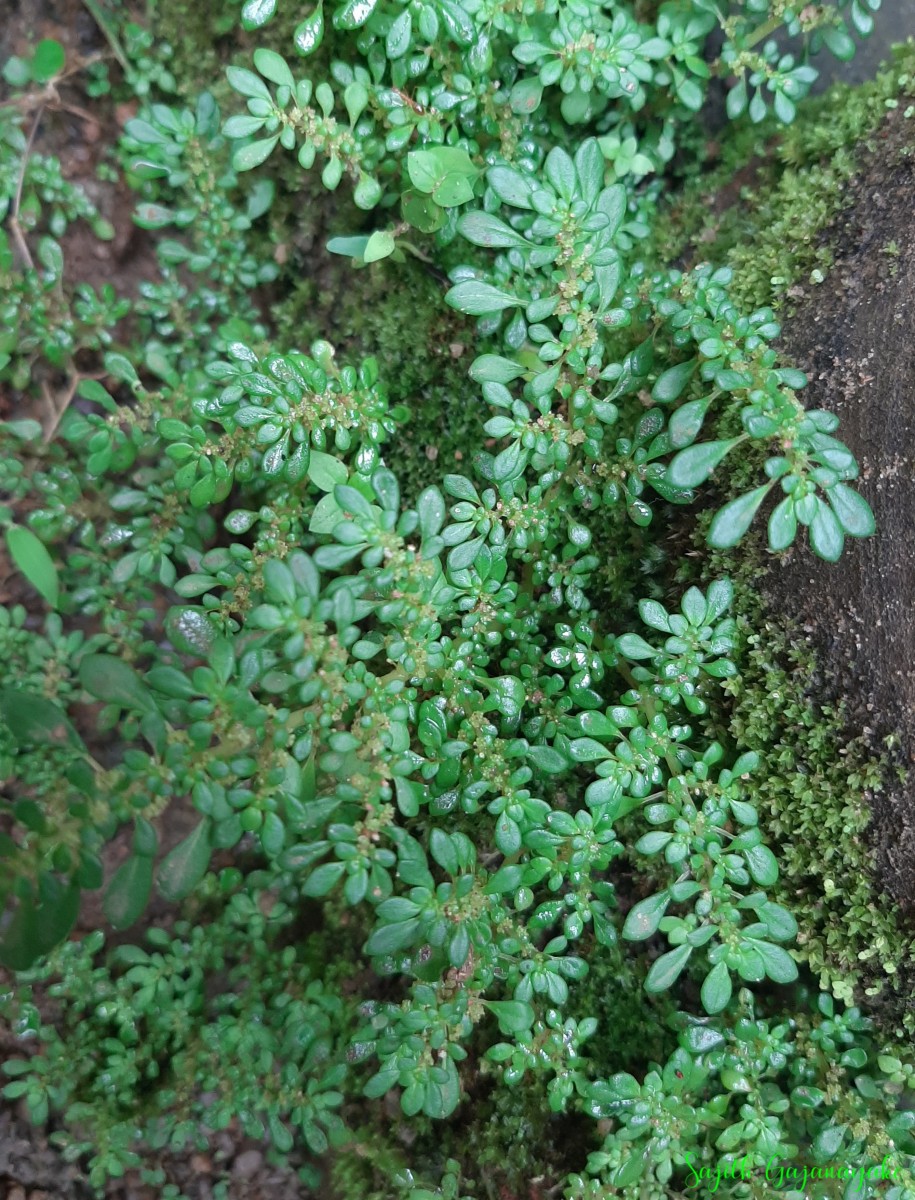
<point x="820" y="227"/>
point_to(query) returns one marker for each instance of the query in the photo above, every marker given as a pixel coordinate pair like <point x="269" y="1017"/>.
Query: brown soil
<point x="853" y="337"/>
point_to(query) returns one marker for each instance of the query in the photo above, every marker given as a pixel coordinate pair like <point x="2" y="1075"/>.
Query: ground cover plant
<point x="409" y="792"/>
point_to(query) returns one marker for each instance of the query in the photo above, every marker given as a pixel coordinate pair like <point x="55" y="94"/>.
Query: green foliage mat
<point x="360" y="694"/>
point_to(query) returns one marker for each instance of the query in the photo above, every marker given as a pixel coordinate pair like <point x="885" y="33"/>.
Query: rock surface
<point x="894" y="23"/>
<point x="853" y="336"/>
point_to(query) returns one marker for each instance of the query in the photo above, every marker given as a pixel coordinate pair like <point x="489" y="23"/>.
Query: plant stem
<point x="95" y="11"/>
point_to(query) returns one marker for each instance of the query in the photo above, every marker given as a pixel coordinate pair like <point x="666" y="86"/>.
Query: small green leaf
<point x="349" y="247"/>
<point x="453" y="190"/>
<point x="733" y="521"/>
<point x="355" y="99"/>
<point x="367" y="193"/>
<point x="129" y="890"/>
<point x="354" y="14"/>
<point x="644" y="918"/>
<point x="248" y="84"/>
<point x="256" y="13"/>
<point x="48" y="60"/>
<point x="685" y="424"/>
<point x="780" y="966"/>
<point x="191" y="631"/>
<point x="429" y="168"/>
<point x="782" y="525"/>
<point x="20" y="943"/>
<point x="115" y="682"/>
<point x="667" y="969"/>
<point x="325" y="471"/>
<point x="323" y="878"/>
<point x="484" y="229"/>
<point x="477" y="298"/>
<point x="779" y="922"/>
<point x="380" y="245"/>
<point x="548" y="760"/>
<point x="274" y="67"/>
<point x="514" y="1016"/>
<point x="526" y="96"/>
<point x="430" y="507"/>
<point x="246" y="158"/>
<point x="388" y="939"/>
<point x="716" y="990"/>
<point x="762" y="865"/>
<point x="397" y="43"/>
<point x="32" y="718"/>
<point x="634" y="647"/>
<point x="17" y="71"/>
<point x="669" y="386"/>
<point x="32" y="558"/>
<point x="826" y="537"/>
<point x="693" y="465"/>
<point x="309" y="34"/>
<point x="184" y="866"/>
<point x="852" y="510"/>
<point x="493" y="368"/>
<point x="828" y="1141"/>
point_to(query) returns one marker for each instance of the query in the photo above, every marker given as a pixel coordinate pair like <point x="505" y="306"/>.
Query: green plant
<point x="415" y="730"/>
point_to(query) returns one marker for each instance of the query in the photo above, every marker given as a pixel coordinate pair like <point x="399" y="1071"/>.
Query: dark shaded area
<point x="853" y="337"/>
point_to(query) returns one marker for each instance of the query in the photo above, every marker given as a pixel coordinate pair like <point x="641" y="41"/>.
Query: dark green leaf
<point x="513" y="1016"/>
<point x="32" y="718"/>
<point x="716" y="989"/>
<point x="826" y="537"/>
<point x="669" y="386"/>
<point x="184" y="866"/>
<point x="309" y="34"/>
<point x="828" y="1142"/>
<point x="354" y="14"/>
<point x="128" y="892"/>
<point x="762" y="865"/>
<point x="321" y="880"/>
<point x="109" y="679"/>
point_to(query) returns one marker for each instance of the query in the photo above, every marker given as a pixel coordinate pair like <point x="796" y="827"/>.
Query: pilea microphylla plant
<point x="435" y="770"/>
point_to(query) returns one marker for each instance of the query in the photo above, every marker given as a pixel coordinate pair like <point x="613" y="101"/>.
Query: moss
<point x="205" y="38"/>
<point x="367" y="1167"/>
<point x="763" y="207"/>
<point x="396" y="312"/>
<point x="196" y="34"/>
<point x="813" y="787"/>
<point x="639" y="1029"/>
